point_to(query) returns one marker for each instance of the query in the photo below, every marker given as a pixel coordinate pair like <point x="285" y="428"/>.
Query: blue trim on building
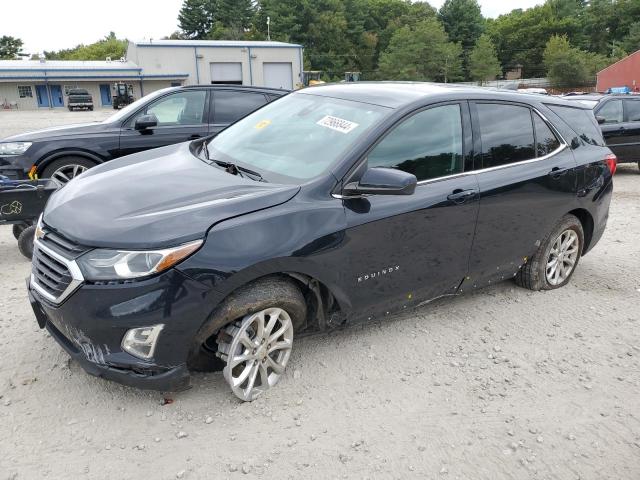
<point x="70" y="69"/>
<point x="250" y="68"/>
<point x="82" y="78"/>
<point x="234" y="45"/>
<point x="195" y="58"/>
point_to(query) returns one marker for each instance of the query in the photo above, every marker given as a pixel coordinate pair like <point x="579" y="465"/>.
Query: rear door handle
<point x="461" y="196"/>
<point x="195" y="136"/>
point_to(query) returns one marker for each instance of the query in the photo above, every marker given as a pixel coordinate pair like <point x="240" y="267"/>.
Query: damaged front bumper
<point x="91" y="323"/>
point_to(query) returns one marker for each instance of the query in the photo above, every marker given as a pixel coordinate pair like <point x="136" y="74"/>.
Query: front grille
<point x="54" y="271"/>
<point x="52" y="275"/>
<point x="61" y="245"/>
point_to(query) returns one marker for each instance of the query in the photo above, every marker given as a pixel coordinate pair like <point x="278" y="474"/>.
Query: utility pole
<point x="269" y="28"/>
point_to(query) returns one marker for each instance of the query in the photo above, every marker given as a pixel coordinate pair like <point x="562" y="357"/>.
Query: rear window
<point x="633" y="110"/>
<point x="507" y="134"/>
<point x="583" y="122"/>
<point x="231" y="105"/>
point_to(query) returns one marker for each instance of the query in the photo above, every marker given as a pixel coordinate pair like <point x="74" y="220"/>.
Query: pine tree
<point x="483" y="60"/>
<point x="197" y="17"/>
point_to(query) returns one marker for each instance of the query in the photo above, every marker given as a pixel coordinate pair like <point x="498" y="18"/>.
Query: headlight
<point x="104" y="264"/>
<point x="14" y="148"/>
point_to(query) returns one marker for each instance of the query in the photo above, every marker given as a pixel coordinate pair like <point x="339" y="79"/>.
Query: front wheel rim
<point x="258" y="353"/>
<point x="65" y="174"/>
<point x="562" y="257"/>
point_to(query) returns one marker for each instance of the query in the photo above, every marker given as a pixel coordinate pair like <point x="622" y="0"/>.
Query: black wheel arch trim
<point x="43" y="162"/>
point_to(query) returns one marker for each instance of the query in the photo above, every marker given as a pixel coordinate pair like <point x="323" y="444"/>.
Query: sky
<point x="42" y="26"/>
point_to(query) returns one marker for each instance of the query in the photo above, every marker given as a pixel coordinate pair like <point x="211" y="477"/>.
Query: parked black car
<point x="619" y="118"/>
<point x="168" y="116"/>
<point x="336" y="202"/>
<point x="79" y="99"/>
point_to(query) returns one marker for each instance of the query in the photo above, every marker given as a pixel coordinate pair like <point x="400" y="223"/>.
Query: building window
<point x="24" y="91"/>
<point x="67" y="88"/>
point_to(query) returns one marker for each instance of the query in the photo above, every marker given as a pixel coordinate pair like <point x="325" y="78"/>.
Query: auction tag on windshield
<point x="337" y="124"/>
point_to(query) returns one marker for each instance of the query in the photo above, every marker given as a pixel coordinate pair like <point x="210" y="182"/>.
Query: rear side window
<point x="633" y="110"/>
<point x="507" y="134"/>
<point x="611" y="112"/>
<point x="581" y="121"/>
<point x="230" y="105"/>
<point x="546" y="141"/>
<point x="427" y="144"/>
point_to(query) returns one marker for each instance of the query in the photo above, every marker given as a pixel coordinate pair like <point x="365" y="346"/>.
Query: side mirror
<point x="601" y="120"/>
<point x="146" y="121"/>
<point x="382" y="181"/>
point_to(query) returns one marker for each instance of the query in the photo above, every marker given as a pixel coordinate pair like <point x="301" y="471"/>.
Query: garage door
<point x="278" y="75"/>
<point x="226" y="72"/>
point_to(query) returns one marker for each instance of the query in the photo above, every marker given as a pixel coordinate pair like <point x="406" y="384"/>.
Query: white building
<point x="150" y="66"/>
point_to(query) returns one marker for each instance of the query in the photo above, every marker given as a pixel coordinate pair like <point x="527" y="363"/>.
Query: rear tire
<point x="25" y="241"/>
<point x="556" y="259"/>
<point x="18" y="229"/>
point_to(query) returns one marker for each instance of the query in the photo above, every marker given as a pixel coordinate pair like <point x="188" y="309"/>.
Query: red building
<point x="624" y="73"/>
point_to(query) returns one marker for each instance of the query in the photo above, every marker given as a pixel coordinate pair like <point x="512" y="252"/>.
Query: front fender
<point x="296" y="237"/>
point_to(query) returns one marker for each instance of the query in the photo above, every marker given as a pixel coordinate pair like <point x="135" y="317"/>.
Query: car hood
<point x="55" y="132"/>
<point x="154" y="199"/>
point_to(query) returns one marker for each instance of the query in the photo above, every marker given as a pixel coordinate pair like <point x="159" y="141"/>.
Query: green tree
<point x="464" y="23"/>
<point x="196" y="18"/>
<point x="631" y="42"/>
<point x="110" y="46"/>
<point x="422" y="52"/>
<point x="10" y="48"/>
<point x="483" y="60"/>
<point x="568" y="66"/>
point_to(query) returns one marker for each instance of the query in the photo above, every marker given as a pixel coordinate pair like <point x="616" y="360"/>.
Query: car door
<point x="416" y="247"/>
<point x="182" y="116"/>
<point x="228" y="106"/>
<point x="527" y="177"/>
<point x="611" y="113"/>
<point x="632" y="129"/>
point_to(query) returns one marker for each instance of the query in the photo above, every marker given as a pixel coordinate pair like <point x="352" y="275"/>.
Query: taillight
<point x="612" y="163"/>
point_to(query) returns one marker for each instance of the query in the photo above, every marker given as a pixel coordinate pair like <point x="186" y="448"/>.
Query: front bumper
<point x="91" y="322"/>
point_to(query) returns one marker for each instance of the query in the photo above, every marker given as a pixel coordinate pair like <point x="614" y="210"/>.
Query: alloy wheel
<point x="256" y="350"/>
<point x="563" y="257"/>
<point x="66" y="173"/>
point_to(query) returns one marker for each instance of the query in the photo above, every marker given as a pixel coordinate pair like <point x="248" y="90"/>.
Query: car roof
<point x="226" y="86"/>
<point x="401" y="94"/>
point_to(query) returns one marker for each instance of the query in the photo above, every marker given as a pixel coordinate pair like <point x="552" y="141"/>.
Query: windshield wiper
<point x="234" y="169"/>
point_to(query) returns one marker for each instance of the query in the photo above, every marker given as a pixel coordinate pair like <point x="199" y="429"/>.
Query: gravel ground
<point x="499" y="384"/>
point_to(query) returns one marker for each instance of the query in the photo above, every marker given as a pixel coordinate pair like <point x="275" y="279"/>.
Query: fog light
<point x="141" y="342"/>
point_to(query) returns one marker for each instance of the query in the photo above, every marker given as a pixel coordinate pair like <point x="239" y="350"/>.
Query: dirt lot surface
<point x="499" y="384"/>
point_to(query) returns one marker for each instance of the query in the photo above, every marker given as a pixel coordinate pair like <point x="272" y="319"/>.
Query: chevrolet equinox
<point x="335" y="202"/>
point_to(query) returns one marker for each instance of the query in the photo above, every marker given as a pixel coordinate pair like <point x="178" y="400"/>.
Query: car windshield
<point x="297" y="137"/>
<point x="132" y="107"/>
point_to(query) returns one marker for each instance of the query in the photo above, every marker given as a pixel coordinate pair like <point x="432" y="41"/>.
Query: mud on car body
<point x="333" y="203"/>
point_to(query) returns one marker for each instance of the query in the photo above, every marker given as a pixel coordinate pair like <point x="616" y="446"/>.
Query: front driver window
<point x="183" y="108"/>
<point x="428" y="144"/>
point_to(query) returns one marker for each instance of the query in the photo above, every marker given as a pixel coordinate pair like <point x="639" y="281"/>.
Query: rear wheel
<point x="555" y="261"/>
<point x="25" y="241"/>
<point x="18" y="229"/>
<point x="65" y="169"/>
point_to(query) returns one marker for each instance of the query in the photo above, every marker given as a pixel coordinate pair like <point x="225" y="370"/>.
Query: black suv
<point x="167" y="116"/>
<point x="619" y="118"/>
<point x="336" y="202"/>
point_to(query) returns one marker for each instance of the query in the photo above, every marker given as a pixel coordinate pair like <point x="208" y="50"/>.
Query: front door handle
<point x="557" y="172"/>
<point x="195" y="136"/>
<point x="460" y="196"/>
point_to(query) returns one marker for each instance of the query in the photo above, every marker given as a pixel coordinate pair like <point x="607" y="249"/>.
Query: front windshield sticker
<point x="337" y="124"/>
<point x="262" y="124"/>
